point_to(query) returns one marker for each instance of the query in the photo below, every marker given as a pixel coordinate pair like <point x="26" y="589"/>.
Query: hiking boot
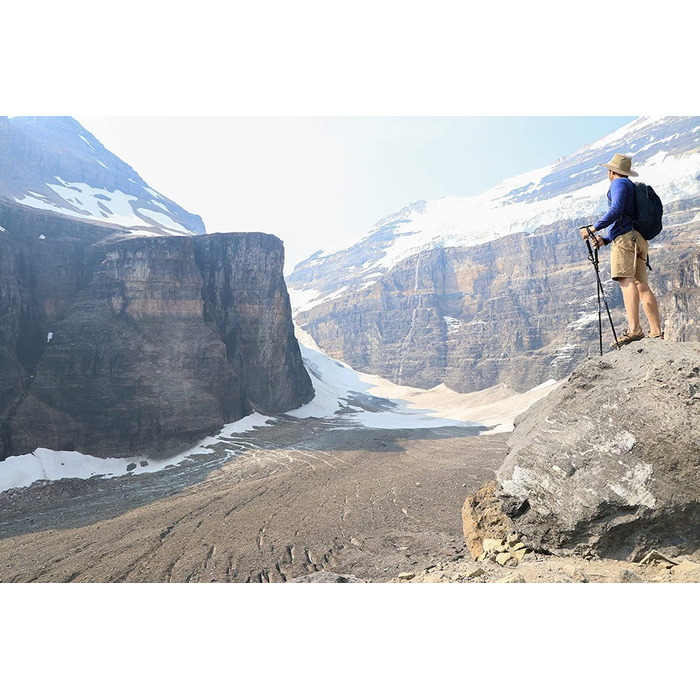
<point x="626" y="338"/>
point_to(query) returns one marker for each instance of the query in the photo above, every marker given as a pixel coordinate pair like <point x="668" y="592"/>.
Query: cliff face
<point x="118" y="346"/>
<point x="518" y="310"/>
<point x="682" y="299"/>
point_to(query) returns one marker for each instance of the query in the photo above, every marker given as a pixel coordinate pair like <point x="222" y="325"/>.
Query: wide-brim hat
<point x="622" y="165"/>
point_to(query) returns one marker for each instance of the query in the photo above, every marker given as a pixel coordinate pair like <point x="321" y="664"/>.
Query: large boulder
<point x="608" y="462"/>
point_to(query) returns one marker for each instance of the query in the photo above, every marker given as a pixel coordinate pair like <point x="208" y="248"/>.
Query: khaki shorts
<point x="629" y="256"/>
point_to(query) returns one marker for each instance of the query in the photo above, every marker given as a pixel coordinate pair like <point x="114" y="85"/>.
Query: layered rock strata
<point x="113" y="345"/>
<point x="681" y="302"/>
<point x="518" y="310"/>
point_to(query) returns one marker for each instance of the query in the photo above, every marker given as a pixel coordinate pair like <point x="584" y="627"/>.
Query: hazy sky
<point x="317" y="182"/>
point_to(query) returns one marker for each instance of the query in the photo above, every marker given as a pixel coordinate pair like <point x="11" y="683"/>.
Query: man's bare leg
<point x="651" y="307"/>
<point x="630" y="295"/>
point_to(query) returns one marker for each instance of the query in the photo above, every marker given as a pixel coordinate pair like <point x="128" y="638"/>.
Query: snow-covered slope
<point x="53" y="163"/>
<point x="665" y="152"/>
<point x="361" y="399"/>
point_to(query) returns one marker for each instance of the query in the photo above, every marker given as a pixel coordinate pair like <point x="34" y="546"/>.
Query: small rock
<point x="406" y="575"/>
<point x="515" y="577"/>
<point x="143" y="463"/>
<point x="434" y="578"/>
<point x="491" y="545"/>
<point x="528" y="556"/>
<point x="521" y="553"/>
<point x="506" y="559"/>
<point x="512" y="539"/>
<point x="131" y="467"/>
<point x="519" y="545"/>
<point x="655" y="557"/>
<point x="627" y="576"/>
<point x="474" y="573"/>
<point x="574" y="573"/>
<point x="356" y="542"/>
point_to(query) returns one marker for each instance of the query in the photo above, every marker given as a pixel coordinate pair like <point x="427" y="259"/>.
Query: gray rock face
<point x="114" y="345"/>
<point x="611" y="460"/>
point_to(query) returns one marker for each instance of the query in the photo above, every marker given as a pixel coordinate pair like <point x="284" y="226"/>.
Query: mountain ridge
<point x="570" y="188"/>
<point x="55" y="164"/>
<point x="421" y="301"/>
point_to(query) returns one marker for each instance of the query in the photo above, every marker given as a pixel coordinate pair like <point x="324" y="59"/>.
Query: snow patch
<point x="586" y="319"/>
<point x="305" y="299"/>
<point x="153" y="192"/>
<point x="453" y="324"/>
<point x="163" y="220"/>
<point x="86" y="202"/>
<point x="88" y="143"/>
<point x="24" y="470"/>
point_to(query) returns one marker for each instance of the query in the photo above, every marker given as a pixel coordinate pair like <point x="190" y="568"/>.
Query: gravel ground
<point x="299" y="497"/>
<point x="554" y="569"/>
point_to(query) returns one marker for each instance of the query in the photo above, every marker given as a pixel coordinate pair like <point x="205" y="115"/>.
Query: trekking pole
<point x="600" y="309"/>
<point x="593" y="257"/>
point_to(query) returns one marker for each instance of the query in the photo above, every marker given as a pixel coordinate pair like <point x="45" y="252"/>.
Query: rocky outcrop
<point x="606" y="464"/>
<point x="114" y="345"/>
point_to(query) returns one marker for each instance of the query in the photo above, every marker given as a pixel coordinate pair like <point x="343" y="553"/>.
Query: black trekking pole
<point x="593" y="257"/>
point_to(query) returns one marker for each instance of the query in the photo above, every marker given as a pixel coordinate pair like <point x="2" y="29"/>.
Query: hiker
<point x="628" y="259"/>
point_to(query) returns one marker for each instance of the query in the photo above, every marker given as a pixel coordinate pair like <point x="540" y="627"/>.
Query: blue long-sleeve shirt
<point x="621" y="211"/>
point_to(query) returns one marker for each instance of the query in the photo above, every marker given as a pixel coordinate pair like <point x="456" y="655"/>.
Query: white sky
<point x="318" y="182"/>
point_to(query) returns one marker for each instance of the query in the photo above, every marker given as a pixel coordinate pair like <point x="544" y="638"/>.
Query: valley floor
<point x="299" y="497"/>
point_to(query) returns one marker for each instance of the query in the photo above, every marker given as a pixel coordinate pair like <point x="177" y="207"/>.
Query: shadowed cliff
<point x="113" y="345"/>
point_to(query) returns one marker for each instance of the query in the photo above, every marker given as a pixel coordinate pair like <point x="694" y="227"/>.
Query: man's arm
<point x="618" y="197"/>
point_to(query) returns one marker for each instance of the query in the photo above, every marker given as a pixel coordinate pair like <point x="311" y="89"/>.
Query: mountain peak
<point x="54" y="163"/>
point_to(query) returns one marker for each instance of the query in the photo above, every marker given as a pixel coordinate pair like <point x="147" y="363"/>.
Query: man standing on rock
<point x="629" y="252"/>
